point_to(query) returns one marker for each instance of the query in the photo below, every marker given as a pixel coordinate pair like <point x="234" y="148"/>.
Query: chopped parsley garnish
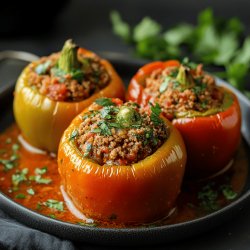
<point x="38" y="179"/>
<point x="87" y="149"/>
<point x="31" y="191"/>
<point x="15" y="147"/>
<point x="77" y="74"/>
<point x="198" y="89"/>
<point x="58" y="73"/>
<point x="104" y="102"/>
<point x="164" y="84"/>
<point x="228" y="192"/>
<point x="20" y="196"/>
<point x="208" y="198"/>
<point x="106" y="112"/>
<point x="104" y="128"/>
<point x="12" y="161"/>
<point x="52" y="216"/>
<point x="155" y="113"/>
<point x="54" y="204"/>
<point x="41" y="171"/>
<point x="96" y="130"/>
<point x="19" y="177"/>
<point x="42" y="68"/>
<point x="73" y="135"/>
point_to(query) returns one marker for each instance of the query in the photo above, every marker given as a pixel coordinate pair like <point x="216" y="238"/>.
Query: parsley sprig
<point x="155" y="114"/>
<point x="213" y="41"/>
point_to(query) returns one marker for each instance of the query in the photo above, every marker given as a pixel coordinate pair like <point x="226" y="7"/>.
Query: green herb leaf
<point x="228" y="192"/>
<point x="120" y="28"/>
<point x="38" y="179"/>
<point x="104" y="102"/>
<point x="87" y="149"/>
<point x="52" y="216"/>
<point x="30" y="191"/>
<point x="77" y="74"/>
<point x="155" y="113"/>
<point x="41" y="69"/>
<point x="58" y="73"/>
<point x="243" y="55"/>
<point x="145" y="29"/>
<point x="96" y="130"/>
<point x="15" y="147"/>
<point x="208" y="198"/>
<point x="236" y="73"/>
<point x="73" y="135"/>
<point x="179" y="34"/>
<point x="41" y="171"/>
<point x="54" y="204"/>
<point x="106" y="112"/>
<point x="19" y="177"/>
<point x="164" y="84"/>
<point x="20" y="196"/>
<point x="104" y="128"/>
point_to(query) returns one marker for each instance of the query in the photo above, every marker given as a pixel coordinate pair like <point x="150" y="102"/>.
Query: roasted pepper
<point x="211" y="137"/>
<point x="142" y="192"/>
<point x="43" y="120"/>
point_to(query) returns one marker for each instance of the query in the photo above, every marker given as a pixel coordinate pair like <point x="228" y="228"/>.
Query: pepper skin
<point x="42" y="120"/>
<point x="139" y="193"/>
<point x="211" y="141"/>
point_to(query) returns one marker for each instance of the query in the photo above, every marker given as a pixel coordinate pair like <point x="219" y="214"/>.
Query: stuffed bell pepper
<point x="208" y="116"/>
<point x="52" y="91"/>
<point x="121" y="162"/>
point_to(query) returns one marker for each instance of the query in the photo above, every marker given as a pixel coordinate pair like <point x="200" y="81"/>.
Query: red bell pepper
<point x="211" y="138"/>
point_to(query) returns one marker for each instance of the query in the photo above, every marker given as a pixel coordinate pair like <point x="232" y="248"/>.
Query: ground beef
<point x="114" y="144"/>
<point x="95" y="77"/>
<point x="201" y="96"/>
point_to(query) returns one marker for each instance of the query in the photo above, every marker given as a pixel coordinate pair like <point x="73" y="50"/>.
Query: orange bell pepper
<point x="139" y="193"/>
<point x="211" y="138"/>
<point x="42" y="120"/>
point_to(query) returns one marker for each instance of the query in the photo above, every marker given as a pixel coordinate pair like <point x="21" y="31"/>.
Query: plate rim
<point x="8" y="203"/>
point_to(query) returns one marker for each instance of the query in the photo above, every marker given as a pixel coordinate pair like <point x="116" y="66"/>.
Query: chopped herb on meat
<point x="54" y="204"/>
<point x="104" y="102"/>
<point x="119" y="134"/>
<point x="155" y="112"/>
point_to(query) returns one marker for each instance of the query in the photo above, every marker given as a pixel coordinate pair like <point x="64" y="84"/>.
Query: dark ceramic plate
<point x="134" y="236"/>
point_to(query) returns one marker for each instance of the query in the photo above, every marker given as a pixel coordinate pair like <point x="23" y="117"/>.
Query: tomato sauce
<point x="32" y="180"/>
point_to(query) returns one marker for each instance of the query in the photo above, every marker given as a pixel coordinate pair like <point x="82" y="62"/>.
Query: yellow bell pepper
<point x="42" y="120"/>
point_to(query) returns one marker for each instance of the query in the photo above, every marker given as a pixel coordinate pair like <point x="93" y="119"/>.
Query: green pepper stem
<point x="68" y="58"/>
<point x="184" y="77"/>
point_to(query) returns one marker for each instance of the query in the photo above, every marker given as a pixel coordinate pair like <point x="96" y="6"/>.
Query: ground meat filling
<point x="120" y="134"/>
<point x="189" y="90"/>
<point x="81" y="84"/>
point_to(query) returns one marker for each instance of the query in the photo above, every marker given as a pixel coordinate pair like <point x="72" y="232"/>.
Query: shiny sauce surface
<point x="32" y="180"/>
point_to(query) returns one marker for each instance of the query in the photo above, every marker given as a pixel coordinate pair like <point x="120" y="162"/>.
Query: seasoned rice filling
<point x="113" y="133"/>
<point x="52" y="82"/>
<point x="183" y="88"/>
